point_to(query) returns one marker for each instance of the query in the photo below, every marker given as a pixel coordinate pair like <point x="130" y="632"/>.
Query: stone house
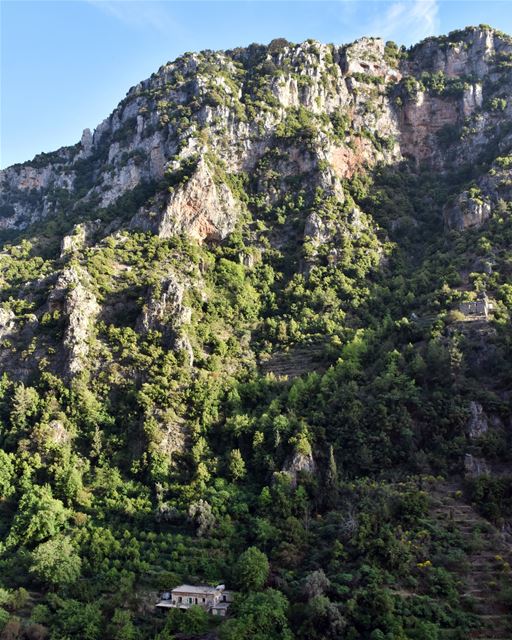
<point x="214" y="600"/>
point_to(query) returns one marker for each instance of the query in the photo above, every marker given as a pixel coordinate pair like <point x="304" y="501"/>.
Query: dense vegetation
<point x="311" y="493"/>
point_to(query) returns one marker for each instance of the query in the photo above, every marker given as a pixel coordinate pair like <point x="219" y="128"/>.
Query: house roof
<point x="189" y="588"/>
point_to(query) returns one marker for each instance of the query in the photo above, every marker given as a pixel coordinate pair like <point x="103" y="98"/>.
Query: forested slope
<point x="255" y="330"/>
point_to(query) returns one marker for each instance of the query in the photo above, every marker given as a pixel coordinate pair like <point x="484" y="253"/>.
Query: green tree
<point x="252" y="569"/>
<point x="74" y="619"/>
<point x="194" y="621"/>
<point x="6" y="474"/>
<point x="323" y="620"/>
<point x="4" y="618"/>
<point x="19" y="598"/>
<point x="25" y="405"/>
<point x="122" y="627"/>
<point x="259" y="616"/>
<point x="173" y="623"/>
<point x="236" y="465"/>
<point x="56" y="562"/>
<point x="331" y="481"/>
<point x="424" y="630"/>
<point x="39" y="516"/>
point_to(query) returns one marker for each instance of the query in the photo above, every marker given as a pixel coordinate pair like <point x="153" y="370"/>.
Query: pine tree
<point x="331" y="481"/>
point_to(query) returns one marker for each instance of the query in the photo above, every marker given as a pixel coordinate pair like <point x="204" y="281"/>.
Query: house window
<point x="203" y="599"/>
<point x="180" y="599"/>
<point x="196" y="600"/>
<point x="223" y="598"/>
<point x="190" y="600"/>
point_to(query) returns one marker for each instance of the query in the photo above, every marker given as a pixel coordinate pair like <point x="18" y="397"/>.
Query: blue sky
<point x="66" y="64"/>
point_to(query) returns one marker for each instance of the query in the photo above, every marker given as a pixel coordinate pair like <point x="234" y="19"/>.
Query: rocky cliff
<point x="365" y="102"/>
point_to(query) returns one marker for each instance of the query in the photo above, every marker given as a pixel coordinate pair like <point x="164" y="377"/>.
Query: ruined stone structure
<point x="479" y="307"/>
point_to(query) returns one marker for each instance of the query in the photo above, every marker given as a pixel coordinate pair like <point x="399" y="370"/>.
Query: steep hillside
<point x="266" y="304"/>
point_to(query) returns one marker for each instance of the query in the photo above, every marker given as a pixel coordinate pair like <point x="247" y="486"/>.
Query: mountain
<point x="255" y="330"/>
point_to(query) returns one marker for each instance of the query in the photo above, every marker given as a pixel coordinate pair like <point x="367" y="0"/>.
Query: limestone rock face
<point x="477" y="424"/>
<point x="201" y="208"/>
<point x="166" y="312"/>
<point x="184" y="109"/>
<point x="326" y="236"/>
<point x="475" y="467"/>
<point x="366" y="55"/>
<point x="472" y="99"/>
<point x="467" y="212"/>
<point x="7" y="322"/>
<point x="78" y="239"/>
<point x="300" y="463"/>
<point x="58" y="432"/>
<point x="26" y="178"/>
<point x="183" y="344"/>
<point x="347" y="161"/>
<point x="167" y="309"/>
<point x="470" y="55"/>
<point x="135" y="145"/>
<point x="422" y="119"/>
<point x="86" y="142"/>
<point x="171" y="435"/>
<point x="80" y="307"/>
<point x="24" y="190"/>
<point x="315" y="230"/>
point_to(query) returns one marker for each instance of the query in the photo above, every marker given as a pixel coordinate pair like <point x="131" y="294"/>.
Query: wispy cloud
<point x="142" y="14"/>
<point x="406" y="21"/>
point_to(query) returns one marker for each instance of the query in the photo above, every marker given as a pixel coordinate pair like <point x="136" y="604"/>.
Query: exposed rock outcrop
<point x="7" y="322"/>
<point x="477" y="424"/>
<point x="422" y="118"/>
<point x="135" y="145"/>
<point x="461" y="53"/>
<point x="315" y="230"/>
<point x="168" y="434"/>
<point x="475" y="467"/>
<point x="467" y="211"/>
<point x="78" y="238"/>
<point x="166" y="312"/>
<point x="57" y="432"/>
<point x="86" y="142"/>
<point x="80" y="308"/>
<point x="184" y="109"/>
<point x="299" y="463"/>
<point x="203" y="208"/>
